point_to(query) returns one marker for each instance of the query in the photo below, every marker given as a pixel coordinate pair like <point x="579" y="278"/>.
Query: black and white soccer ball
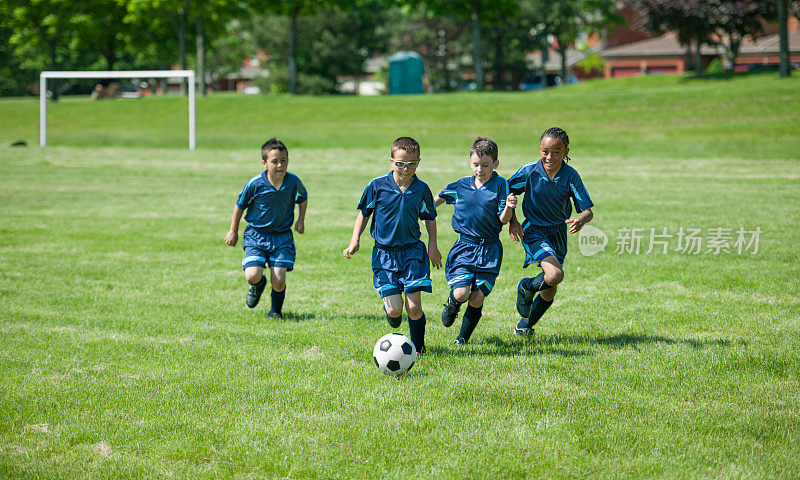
<point x="394" y="354"/>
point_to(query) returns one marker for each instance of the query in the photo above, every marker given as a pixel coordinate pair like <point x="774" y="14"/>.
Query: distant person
<point x="269" y="199"/>
<point x="482" y="205"/>
<point x="400" y="262"/>
<point x="104" y="89"/>
<point x="549" y="184"/>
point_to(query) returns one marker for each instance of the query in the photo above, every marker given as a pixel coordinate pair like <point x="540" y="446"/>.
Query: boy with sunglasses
<point x="400" y="262"/>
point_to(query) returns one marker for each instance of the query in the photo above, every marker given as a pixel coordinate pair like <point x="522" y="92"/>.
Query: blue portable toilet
<point x="405" y="73"/>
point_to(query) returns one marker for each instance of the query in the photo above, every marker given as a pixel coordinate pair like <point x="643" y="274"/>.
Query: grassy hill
<point x="665" y="116"/>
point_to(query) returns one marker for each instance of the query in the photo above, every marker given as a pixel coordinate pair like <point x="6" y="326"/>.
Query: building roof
<point x="668" y="45"/>
<point x="664" y="45"/>
<point x="769" y="44"/>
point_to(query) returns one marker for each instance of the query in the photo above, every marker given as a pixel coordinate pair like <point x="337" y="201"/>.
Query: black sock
<point x="471" y="317"/>
<point x="417" y="330"/>
<point x="392" y="320"/>
<point x="261" y="283"/>
<point x="452" y="302"/>
<point x="535" y="284"/>
<point x="277" y="301"/>
<point x="538" y="308"/>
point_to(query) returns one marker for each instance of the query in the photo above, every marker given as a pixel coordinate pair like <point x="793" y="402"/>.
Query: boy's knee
<point x="461" y="294"/>
<point x="554" y="277"/>
<point x="253" y="275"/>
<point x="393" y="311"/>
<point x="413" y="308"/>
<point x="278" y="284"/>
<point x="476" y="299"/>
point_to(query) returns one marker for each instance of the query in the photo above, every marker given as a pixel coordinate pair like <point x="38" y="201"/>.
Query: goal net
<point x="44" y="76"/>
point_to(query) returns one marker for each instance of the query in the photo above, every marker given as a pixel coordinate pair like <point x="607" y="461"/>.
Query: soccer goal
<point x="189" y="74"/>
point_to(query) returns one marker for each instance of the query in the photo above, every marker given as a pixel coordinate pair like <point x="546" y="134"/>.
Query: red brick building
<point x="665" y="55"/>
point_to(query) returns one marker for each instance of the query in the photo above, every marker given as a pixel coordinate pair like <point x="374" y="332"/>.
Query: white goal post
<point x="189" y="74"/>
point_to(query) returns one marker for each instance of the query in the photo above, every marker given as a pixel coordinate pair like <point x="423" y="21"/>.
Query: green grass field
<point x="126" y="350"/>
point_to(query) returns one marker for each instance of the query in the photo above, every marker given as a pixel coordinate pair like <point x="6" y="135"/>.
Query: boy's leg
<point x="255" y="277"/>
<point x="472" y="316"/>
<point x="416" y="320"/>
<point x="278" y="282"/>
<point x="541" y="304"/>
<point x="552" y="274"/>
<point x="453" y="304"/>
<point x="460" y="279"/>
<point x="393" y="306"/>
<point x="281" y="260"/>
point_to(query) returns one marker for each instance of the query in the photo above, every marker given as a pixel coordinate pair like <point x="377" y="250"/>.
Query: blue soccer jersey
<point x="395" y="222"/>
<point x="547" y="202"/>
<point x="268" y="209"/>
<point x="477" y="209"/>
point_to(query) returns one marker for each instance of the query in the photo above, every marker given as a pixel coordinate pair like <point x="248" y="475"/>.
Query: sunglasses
<point x="405" y="164"/>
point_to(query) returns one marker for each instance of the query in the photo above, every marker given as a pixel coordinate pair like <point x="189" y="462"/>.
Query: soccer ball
<point x="394" y="354"/>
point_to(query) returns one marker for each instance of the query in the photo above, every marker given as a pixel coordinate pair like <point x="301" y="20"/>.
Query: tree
<point x="100" y="27"/>
<point x="737" y="19"/>
<point x="691" y="19"/>
<point x="479" y="13"/>
<point x="293" y="10"/>
<point x="443" y="42"/>
<point x="41" y="26"/>
<point x="784" y="38"/>
<point x="567" y="19"/>
<point x="331" y="44"/>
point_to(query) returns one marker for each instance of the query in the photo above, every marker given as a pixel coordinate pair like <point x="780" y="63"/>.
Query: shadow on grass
<point x="496" y="346"/>
<point x="298" y="317"/>
<point x="559" y="344"/>
<point x="728" y="75"/>
<point x="624" y="340"/>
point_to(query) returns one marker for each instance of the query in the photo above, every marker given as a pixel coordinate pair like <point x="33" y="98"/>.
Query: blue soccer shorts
<point x="401" y="270"/>
<point x="474" y="263"/>
<point x="542" y="242"/>
<point x="273" y="249"/>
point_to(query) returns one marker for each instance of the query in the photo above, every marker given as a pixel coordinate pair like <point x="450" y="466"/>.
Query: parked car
<point x="114" y="89"/>
<point x="533" y="81"/>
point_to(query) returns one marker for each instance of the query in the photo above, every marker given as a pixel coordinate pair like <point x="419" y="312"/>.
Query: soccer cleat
<point x="272" y="314"/>
<point x="460" y="341"/>
<point x="524" y="300"/>
<point x="394" y="322"/>
<point x="449" y="314"/>
<point x="254" y="293"/>
<point x="523" y="331"/>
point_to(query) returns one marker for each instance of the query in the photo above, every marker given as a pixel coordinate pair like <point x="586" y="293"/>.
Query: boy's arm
<point x="358" y="229"/>
<point x="508" y="211"/>
<point x="233" y="234"/>
<point x="514" y="227"/>
<point x="578" y="222"/>
<point x="433" y="249"/>
<point x="437" y="200"/>
<point x="300" y="224"/>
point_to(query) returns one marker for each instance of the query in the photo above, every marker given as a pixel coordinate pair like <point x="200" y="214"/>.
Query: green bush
<point x="592" y="63"/>
<point x="715" y="67"/>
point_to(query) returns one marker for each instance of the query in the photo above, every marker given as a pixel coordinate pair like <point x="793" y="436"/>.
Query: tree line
<point x="309" y="44"/>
